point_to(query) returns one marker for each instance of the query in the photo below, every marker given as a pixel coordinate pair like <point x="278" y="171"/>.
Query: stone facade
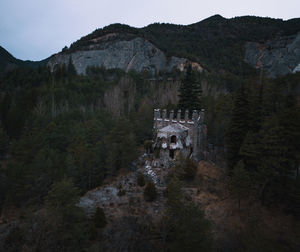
<point x="174" y="136"/>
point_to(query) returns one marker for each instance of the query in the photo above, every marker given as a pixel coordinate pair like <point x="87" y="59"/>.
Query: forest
<point x="58" y="141"/>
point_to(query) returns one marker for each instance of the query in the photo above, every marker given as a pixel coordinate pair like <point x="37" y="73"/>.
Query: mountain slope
<point x="216" y="43"/>
<point x="135" y="54"/>
<point x="7" y="61"/>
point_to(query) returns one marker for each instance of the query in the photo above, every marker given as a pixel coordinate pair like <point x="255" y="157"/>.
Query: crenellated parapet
<point x="185" y="133"/>
<point x="164" y="118"/>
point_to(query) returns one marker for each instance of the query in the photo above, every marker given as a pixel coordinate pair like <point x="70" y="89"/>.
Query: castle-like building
<point x="179" y="135"/>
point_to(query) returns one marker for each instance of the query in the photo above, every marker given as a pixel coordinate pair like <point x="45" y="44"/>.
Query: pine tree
<point x="238" y="128"/>
<point x="190" y="91"/>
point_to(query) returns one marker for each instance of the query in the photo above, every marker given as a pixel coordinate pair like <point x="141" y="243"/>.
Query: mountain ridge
<point x="215" y="43"/>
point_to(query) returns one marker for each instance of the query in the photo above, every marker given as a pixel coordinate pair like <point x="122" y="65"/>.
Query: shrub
<point x="148" y="145"/>
<point x="100" y="218"/>
<point x="140" y="179"/>
<point x="150" y="192"/>
<point x="190" y="169"/>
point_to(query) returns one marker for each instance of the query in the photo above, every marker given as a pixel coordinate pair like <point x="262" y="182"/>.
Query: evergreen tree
<point x="190" y="91"/>
<point x="238" y="128"/>
<point x="173" y="193"/>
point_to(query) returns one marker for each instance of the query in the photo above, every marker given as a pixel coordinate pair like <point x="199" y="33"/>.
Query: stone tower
<point x="179" y="135"/>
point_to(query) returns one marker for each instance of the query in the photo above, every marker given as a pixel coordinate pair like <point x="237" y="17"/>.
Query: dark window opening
<point x="172" y="154"/>
<point x="173" y="139"/>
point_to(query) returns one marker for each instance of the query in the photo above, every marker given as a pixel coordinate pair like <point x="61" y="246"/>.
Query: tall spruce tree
<point x="190" y="91"/>
<point x="238" y="128"/>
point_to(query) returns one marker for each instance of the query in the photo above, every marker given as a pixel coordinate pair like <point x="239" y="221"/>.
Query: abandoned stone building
<point x="179" y="135"/>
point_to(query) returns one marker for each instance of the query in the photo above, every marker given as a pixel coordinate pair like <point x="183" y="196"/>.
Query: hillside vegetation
<point x="65" y="136"/>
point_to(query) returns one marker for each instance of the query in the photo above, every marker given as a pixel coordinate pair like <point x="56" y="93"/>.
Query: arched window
<point x="173" y="139"/>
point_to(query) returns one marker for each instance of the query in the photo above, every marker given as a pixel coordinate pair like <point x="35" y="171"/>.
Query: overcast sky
<point x="36" y="29"/>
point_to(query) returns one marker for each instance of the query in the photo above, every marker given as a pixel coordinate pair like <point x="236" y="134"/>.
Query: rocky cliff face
<point x="135" y="54"/>
<point x="278" y="56"/>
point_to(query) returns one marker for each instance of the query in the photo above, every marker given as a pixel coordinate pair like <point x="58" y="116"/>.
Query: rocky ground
<point x="208" y="190"/>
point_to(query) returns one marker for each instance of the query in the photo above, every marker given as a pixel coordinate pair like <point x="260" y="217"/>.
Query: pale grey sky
<point x="35" y="29"/>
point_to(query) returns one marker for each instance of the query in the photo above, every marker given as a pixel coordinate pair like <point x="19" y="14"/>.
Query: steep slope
<point x="7" y="61"/>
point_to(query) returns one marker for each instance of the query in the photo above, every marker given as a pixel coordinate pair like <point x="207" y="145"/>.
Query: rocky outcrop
<point x="278" y="56"/>
<point x="135" y="54"/>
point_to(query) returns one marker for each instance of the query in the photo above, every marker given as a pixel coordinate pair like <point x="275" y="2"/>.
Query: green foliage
<point x="185" y="168"/>
<point x="238" y="127"/>
<point x="122" y="147"/>
<point x="173" y="193"/>
<point x="156" y="153"/>
<point x="190" y="169"/>
<point x="141" y="179"/>
<point x="191" y="230"/>
<point x="150" y="192"/>
<point x="185" y="225"/>
<point x="62" y="196"/>
<point x="66" y="222"/>
<point x="100" y="218"/>
<point x="148" y="145"/>
<point x="190" y="92"/>
<point x="58" y="128"/>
